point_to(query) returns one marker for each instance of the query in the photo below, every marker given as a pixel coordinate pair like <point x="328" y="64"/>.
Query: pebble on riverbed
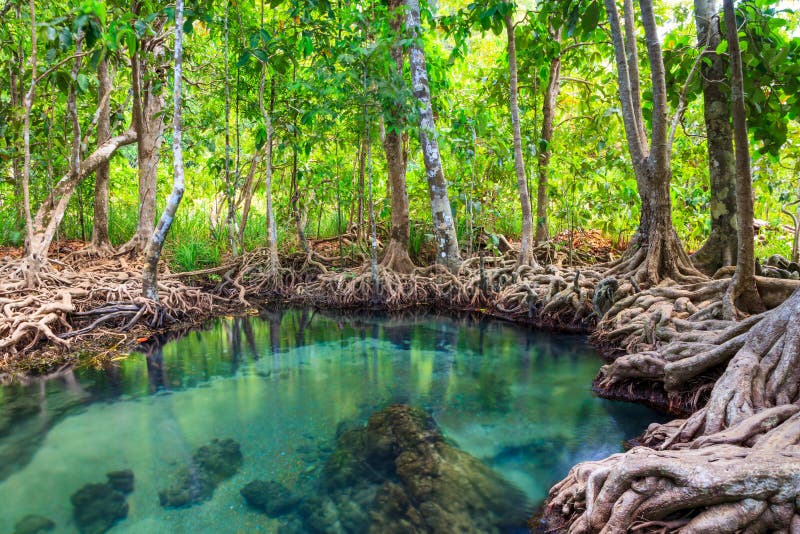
<point x="210" y="465"/>
<point x="272" y="498"/>
<point x="97" y="507"/>
<point x="34" y="524"/>
<point x="122" y="481"/>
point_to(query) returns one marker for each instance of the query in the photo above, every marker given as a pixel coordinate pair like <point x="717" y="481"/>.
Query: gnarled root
<point x="396" y="258"/>
<point x="732" y="466"/>
<point x="715" y="488"/>
<point x="69" y="304"/>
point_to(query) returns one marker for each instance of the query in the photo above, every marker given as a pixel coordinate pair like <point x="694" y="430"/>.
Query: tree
<point x="444" y="228"/>
<point x="147" y="82"/>
<point x="100" y="241"/>
<point x="526" y="245"/>
<point x="395" y="255"/>
<point x="153" y="250"/>
<point x="655" y="252"/>
<point x="719" y="249"/>
<point x="546" y="137"/>
<point x="742" y="293"/>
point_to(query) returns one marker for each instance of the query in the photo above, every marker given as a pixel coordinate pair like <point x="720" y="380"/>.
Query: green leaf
<point x="591" y="17"/>
<point x="83" y="82"/>
<point x="722" y="47"/>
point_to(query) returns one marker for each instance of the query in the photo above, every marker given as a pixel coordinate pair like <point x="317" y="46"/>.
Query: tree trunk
<point x="52" y="210"/>
<point x="362" y="166"/>
<point x="153" y="250"/>
<point x="444" y="228"/>
<point x="272" y="227"/>
<point x="743" y="293"/>
<point x="246" y="198"/>
<point x="548" y="119"/>
<point x="655" y="252"/>
<point x="33" y="257"/>
<point x="148" y="119"/>
<point x="719" y="249"/>
<point x="396" y="254"/>
<point x="526" y="245"/>
<point x="298" y="211"/>
<point x="230" y="182"/>
<point x="100" y="240"/>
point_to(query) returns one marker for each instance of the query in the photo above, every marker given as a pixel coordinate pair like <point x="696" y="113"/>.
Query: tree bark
<point x="743" y="293"/>
<point x="526" y="245"/>
<point x="153" y="250"/>
<point x="230" y="182"/>
<point x="100" y="240"/>
<point x="272" y="227"/>
<point x="444" y="228"/>
<point x="148" y="119"/>
<point x="548" y="119"/>
<point x="655" y="252"/>
<point x="362" y="166"/>
<point x="396" y="254"/>
<point x="719" y="250"/>
<point x="33" y="259"/>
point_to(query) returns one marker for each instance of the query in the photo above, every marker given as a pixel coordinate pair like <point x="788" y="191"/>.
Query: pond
<point x="285" y="394"/>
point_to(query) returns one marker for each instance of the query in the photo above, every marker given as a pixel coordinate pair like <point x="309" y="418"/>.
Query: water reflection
<point x="280" y="384"/>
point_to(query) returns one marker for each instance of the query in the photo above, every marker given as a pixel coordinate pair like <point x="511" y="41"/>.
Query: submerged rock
<point x="122" y="481"/>
<point x="97" y="507"/>
<point x="399" y="474"/>
<point x="272" y="498"/>
<point x="34" y="524"/>
<point x="210" y="465"/>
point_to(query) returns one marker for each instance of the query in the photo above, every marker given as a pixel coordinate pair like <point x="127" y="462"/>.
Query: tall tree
<point x="266" y="114"/>
<point x="100" y="240"/>
<point x="719" y="249"/>
<point x="147" y="82"/>
<point x="743" y="293"/>
<point x="395" y="255"/>
<point x="526" y="245"/>
<point x="655" y="252"/>
<point x="33" y="257"/>
<point x="545" y="138"/>
<point x="153" y="250"/>
<point x="444" y="227"/>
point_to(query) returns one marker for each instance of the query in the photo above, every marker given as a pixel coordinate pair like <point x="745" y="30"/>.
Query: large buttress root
<point x="732" y="466"/>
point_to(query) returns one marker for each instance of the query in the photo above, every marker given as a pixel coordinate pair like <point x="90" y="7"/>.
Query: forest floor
<point x="732" y="464"/>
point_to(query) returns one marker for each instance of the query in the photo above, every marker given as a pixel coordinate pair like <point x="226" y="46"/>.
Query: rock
<point x="34" y="524"/>
<point x="272" y="498"/>
<point x="122" y="481"/>
<point x="399" y="474"/>
<point x="97" y="507"/>
<point x="210" y="465"/>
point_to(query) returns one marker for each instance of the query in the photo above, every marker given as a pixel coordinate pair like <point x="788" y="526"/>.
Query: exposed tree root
<point x="396" y="258"/>
<point x="68" y="304"/>
<point x="732" y="466"/>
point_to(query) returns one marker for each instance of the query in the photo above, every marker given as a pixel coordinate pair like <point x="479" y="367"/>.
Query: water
<point x="280" y="385"/>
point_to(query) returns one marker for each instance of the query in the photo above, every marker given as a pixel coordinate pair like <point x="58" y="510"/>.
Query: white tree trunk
<point x="444" y="228"/>
<point x="153" y="250"/>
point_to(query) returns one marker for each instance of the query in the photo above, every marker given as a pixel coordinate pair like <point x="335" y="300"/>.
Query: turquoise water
<point x="280" y="385"/>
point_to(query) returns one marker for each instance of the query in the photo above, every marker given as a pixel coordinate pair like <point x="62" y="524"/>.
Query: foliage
<point x="315" y="53"/>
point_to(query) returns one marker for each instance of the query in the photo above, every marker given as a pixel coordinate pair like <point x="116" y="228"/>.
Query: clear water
<point x="280" y="384"/>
